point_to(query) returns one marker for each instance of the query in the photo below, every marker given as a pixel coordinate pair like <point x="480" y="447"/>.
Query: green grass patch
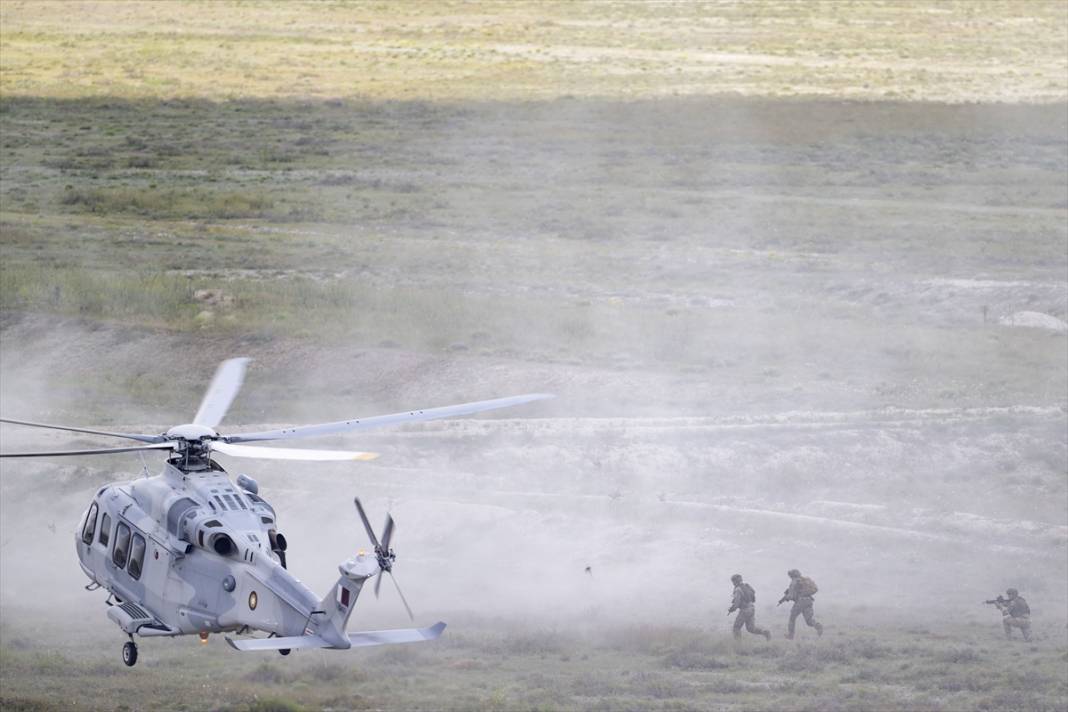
<point x="191" y="204"/>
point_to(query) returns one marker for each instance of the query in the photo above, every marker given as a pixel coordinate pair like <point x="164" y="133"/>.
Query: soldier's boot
<point x="819" y="629"/>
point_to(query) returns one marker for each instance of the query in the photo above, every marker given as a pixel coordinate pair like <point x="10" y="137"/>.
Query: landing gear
<point x="129" y="653"/>
<point x="284" y="651"/>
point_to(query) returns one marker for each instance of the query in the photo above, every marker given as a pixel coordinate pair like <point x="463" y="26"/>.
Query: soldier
<point x="800" y="591"/>
<point x="744" y="598"/>
<point x="1017" y="614"/>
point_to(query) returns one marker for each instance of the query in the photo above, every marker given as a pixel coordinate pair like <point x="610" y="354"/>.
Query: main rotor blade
<point x="366" y="522"/>
<point x="224" y="386"/>
<point x="128" y="436"/>
<point x="344" y="426"/>
<point x="108" y="451"/>
<point x="401" y="594"/>
<point x="288" y="453"/>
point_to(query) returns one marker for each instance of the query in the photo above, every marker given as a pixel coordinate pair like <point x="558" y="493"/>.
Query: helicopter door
<point x="96" y="550"/>
<point x="86" y="535"/>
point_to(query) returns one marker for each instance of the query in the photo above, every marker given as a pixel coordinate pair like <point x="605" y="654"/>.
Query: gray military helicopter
<point x="187" y="553"/>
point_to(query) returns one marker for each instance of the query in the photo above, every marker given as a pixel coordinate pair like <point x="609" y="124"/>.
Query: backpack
<point x="749" y="593"/>
<point x="806" y="586"/>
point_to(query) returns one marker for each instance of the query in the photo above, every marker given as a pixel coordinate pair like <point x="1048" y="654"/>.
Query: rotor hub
<point x="191" y="432"/>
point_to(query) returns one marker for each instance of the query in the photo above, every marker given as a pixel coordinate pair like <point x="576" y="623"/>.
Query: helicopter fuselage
<point x="185" y="552"/>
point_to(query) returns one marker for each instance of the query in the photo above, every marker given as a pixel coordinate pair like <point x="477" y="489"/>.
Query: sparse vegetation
<point x="791" y="299"/>
<point x="521" y="50"/>
<point x="823" y="674"/>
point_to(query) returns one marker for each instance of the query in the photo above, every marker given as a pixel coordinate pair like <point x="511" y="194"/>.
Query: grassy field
<point x="770" y="257"/>
<point x="572" y="233"/>
<point x="959" y="51"/>
<point x="494" y="665"/>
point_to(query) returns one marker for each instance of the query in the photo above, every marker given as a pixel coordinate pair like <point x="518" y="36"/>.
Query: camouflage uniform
<point x="743" y="601"/>
<point x="802" y="607"/>
<point x="1017" y="614"/>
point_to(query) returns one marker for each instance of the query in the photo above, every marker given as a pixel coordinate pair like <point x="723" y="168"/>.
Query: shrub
<point x="267" y="673"/>
<point x="958" y="655"/>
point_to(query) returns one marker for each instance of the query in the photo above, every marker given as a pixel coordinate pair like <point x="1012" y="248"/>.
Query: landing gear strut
<point x="129" y="653"/>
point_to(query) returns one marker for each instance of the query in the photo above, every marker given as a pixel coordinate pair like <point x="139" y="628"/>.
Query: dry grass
<point x="1001" y="51"/>
<point x="561" y="672"/>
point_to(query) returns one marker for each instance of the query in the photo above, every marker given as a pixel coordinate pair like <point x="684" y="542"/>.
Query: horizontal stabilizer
<point x="358" y="640"/>
<point x="291" y="643"/>
<point x="403" y="635"/>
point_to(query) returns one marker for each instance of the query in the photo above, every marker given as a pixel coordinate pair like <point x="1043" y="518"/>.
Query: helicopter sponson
<point x="186" y="552"/>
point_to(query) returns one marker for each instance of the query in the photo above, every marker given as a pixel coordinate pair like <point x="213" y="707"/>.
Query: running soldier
<point x="744" y="598"/>
<point x="1016" y="614"/>
<point x="800" y="591"/>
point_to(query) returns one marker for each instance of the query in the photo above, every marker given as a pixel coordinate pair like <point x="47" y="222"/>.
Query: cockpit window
<point x="105" y="529"/>
<point x="137" y="556"/>
<point x="121" y="548"/>
<point x="90" y="525"/>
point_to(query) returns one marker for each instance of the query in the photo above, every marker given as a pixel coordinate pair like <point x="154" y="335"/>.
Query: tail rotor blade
<point x="402" y="598"/>
<point x="224" y="387"/>
<point x="378" y="582"/>
<point x="387" y="534"/>
<point x="366" y="523"/>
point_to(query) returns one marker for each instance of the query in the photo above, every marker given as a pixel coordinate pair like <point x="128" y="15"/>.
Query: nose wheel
<point x="129" y="653"/>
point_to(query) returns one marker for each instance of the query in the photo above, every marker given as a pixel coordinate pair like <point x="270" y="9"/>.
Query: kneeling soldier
<point x="744" y="598"/>
<point x="1017" y="614"/>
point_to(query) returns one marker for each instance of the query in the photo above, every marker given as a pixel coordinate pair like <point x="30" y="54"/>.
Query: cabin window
<point x="121" y="547"/>
<point x="137" y="556"/>
<point x="105" y="529"/>
<point x="90" y="525"/>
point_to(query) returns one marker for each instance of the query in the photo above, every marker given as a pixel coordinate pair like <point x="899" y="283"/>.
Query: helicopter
<point x="190" y="552"/>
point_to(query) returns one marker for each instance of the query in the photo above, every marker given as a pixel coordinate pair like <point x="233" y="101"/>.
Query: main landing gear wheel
<point x="284" y="651"/>
<point x="129" y="653"/>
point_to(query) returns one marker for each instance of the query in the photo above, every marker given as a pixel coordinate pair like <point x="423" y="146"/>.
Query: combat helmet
<point x="793" y="573"/>
<point x="1012" y="593"/>
<point x="736" y="579"/>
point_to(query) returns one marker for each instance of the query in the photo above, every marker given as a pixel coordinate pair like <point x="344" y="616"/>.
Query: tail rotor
<point x="383" y="552"/>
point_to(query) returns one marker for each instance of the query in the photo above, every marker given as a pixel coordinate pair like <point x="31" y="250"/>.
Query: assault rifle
<point x="999" y="601"/>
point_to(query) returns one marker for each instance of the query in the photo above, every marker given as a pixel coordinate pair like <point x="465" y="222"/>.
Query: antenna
<point x="144" y="464"/>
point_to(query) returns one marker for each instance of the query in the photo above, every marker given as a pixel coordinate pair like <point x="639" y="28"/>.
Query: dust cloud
<point x="763" y="325"/>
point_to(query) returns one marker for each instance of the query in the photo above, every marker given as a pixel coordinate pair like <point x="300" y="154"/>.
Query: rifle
<point x="784" y="598"/>
<point x="999" y="601"/>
